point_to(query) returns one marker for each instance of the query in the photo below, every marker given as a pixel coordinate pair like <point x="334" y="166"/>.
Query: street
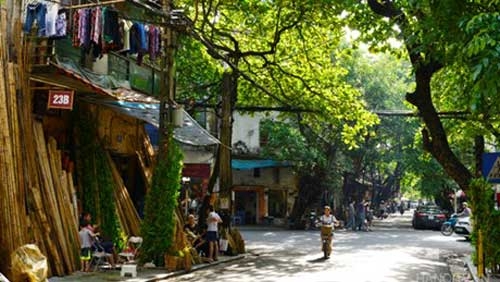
<point x="392" y="252"/>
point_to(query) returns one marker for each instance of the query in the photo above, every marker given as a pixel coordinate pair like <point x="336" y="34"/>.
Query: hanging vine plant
<point x="97" y="191"/>
<point x="158" y="225"/>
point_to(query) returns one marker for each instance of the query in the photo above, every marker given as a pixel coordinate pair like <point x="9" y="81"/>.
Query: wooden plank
<point x="127" y="211"/>
<point x="46" y="184"/>
<point x="54" y="158"/>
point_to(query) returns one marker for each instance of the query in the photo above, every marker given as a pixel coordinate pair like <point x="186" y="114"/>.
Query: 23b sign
<point x="61" y="99"/>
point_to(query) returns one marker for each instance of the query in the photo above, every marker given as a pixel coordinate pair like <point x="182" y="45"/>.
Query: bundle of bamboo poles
<point x="13" y="220"/>
<point x="55" y="211"/>
<point x="129" y="218"/>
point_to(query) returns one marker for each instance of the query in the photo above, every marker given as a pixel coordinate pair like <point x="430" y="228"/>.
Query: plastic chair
<point x="129" y="255"/>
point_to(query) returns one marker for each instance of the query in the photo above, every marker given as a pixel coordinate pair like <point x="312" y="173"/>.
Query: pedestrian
<point x="369" y="216"/>
<point x="213" y="221"/>
<point x="351" y="216"/>
<point x="466" y="211"/>
<point x="327" y="221"/>
<point x="361" y="216"/>
<point x="86" y="238"/>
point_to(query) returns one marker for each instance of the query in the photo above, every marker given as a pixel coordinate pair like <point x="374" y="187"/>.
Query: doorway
<point x="245" y="206"/>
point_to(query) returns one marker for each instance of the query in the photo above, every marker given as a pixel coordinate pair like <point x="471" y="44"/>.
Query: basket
<point x="326" y="230"/>
<point x="171" y="263"/>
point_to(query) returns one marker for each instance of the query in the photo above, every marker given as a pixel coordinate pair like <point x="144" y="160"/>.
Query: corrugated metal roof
<point x="111" y="93"/>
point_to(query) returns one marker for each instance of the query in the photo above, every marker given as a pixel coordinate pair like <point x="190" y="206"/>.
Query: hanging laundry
<point x="96" y="32"/>
<point x="138" y="43"/>
<point x="84" y="26"/>
<point x="154" y="42"/>
<point x="61" y="24"/>
<point x="75" y="38"/>
<point x="111" y="32"/>
<point x="51" y="18"/>
<point x="46" y="15"/>
<point x="36" y="12"/>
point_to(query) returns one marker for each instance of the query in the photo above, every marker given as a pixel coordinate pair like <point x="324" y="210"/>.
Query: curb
<point x="195" y="268"/>
<point x="471" y="268"/>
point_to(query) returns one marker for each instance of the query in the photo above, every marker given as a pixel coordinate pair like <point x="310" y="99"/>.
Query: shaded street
<point x="392" y="252"/>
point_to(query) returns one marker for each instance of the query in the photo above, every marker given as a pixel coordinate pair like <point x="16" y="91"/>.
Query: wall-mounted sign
<point x="61" y="99"/>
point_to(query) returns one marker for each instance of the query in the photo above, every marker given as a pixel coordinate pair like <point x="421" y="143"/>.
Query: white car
<point x="464" y="227"/>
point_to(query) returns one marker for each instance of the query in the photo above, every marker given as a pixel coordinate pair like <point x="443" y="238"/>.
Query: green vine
<point x="158" y="225"/>
<point x="486" y="219"/>
<point x="96" y="179"/>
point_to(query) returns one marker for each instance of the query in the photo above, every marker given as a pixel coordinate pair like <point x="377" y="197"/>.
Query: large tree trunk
<point x="421" y="57"/>
<point x="229" y="94"/>
<point x="434" y="135"/>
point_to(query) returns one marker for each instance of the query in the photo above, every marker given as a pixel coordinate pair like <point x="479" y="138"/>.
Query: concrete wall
<point x="246" y="129"/>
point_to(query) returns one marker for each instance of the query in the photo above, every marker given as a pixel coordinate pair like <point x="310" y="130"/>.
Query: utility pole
<point x="167" y="85"/>
<point x="225" y="182"/>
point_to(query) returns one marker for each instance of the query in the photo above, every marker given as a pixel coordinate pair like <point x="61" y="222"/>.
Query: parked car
<point x="428" y="217"/>
<point x="464" y="227"/>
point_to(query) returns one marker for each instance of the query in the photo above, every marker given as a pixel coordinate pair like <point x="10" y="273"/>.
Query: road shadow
<point x="320" y="259"/>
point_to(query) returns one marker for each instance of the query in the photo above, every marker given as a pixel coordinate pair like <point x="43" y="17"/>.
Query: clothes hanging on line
<point x="49" y="17"/>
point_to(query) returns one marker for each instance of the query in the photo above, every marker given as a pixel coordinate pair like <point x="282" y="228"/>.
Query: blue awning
<point x="252" y="164"/>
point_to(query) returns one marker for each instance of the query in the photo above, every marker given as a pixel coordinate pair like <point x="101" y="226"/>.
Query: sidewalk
<point x="143" y="274"/>
<point x="472" y="271"/>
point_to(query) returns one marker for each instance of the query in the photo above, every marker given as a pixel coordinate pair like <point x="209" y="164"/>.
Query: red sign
<point x="61" y="99"/>
<point x="196" y="170"/>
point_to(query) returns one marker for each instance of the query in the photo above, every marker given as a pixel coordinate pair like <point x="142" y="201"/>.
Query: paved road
<point x="392" y="252"/>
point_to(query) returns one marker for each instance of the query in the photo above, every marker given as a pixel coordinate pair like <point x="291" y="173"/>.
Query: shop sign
<point x="61" y="99"/>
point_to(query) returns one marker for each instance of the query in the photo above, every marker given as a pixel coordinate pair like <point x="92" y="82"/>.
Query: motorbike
<point x="326" y="237"/>
<point x="448" y="226"/>
<point x="311" y="220"/>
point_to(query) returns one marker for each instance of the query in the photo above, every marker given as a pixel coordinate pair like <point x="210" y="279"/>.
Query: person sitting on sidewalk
<point x="190" y="229"/>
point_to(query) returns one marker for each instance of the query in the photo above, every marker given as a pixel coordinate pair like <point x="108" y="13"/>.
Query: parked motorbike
<point x="311" y="220"/>
<point x="448" y="226"/>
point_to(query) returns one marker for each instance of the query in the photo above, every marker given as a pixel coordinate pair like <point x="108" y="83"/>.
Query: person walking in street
<point x="361" y="216"/>
<point x="351" y="216"/>
<point x="213" y="221"/>
<point x="327" y="221"/>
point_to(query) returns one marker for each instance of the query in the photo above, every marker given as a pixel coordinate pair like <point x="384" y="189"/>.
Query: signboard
<point x="491" y="167"/>
<point x="61" y="99"/>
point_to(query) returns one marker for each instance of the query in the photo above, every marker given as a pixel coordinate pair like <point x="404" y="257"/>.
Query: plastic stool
<point x="129" y="269"/>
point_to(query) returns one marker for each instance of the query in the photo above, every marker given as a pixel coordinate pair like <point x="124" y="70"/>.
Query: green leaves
<point x="158" y="225"/>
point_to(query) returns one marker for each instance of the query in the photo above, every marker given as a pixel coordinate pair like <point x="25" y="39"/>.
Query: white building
<point x="263" y="190"/>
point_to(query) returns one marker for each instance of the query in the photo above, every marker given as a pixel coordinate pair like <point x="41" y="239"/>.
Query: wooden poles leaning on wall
<point x="13" y="220"/>
<point x="59" y="224"/>
<point x="127" y="213"/>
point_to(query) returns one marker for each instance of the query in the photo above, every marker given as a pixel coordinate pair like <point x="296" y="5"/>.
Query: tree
<point x="432" y="32"/>
<point x="271" y="56"/>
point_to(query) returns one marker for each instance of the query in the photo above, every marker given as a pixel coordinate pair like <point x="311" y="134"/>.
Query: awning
<point x="66" y="73"/>
<point x="105" y="90"/>
<point x="190" y="132"/>
<point x="252" y="164"/>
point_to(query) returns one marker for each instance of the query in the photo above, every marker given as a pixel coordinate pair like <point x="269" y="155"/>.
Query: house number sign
<point x="61" y="99"/>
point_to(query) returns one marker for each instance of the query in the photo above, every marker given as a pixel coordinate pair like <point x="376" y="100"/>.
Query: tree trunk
<point x="229" y="88"/>
<point x="434" y="136"/>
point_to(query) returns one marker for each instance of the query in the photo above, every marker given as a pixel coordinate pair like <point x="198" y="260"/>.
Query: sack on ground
<point x="223" y="245"/>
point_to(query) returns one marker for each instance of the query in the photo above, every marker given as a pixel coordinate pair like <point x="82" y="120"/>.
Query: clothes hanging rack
<point x="104" y="3"/>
